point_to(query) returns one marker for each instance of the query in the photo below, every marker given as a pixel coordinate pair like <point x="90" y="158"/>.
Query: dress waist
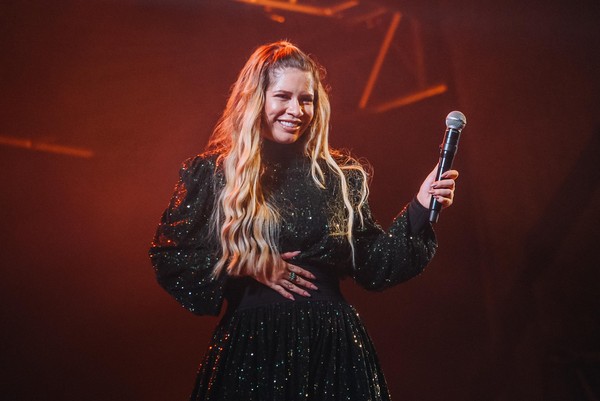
<point x="248" y="293"/>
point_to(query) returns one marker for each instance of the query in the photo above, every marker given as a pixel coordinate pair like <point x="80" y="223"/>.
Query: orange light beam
<point x="300" y="8"/>
<point x="419" y="56"/>
<point x="412" y="98"/>
<point x="385" y="45"/>
<point x="45" y="147"/>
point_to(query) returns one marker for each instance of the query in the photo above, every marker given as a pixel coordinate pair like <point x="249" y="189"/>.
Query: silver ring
<point x="292" y="277"/>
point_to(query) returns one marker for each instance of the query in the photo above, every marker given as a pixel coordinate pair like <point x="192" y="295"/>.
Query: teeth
<point x="288" y="124"/>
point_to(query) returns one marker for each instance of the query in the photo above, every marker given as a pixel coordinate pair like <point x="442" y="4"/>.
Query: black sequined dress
<point x="267" y="347"/>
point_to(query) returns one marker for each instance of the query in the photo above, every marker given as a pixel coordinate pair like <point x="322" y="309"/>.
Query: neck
<point x="274" y="151"/>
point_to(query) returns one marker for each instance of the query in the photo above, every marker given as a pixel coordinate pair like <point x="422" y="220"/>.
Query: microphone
<point x="455" y="122"/>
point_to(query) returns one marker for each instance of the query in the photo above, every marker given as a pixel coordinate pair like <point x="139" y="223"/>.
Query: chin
<point x="285" y="139"/>
<point x="289" y="141"/>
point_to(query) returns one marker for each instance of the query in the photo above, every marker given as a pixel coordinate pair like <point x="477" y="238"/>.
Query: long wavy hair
<point x="247" y="224"/>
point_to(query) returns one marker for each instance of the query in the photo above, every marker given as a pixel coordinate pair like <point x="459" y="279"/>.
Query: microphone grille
<point x="456" y="120"/>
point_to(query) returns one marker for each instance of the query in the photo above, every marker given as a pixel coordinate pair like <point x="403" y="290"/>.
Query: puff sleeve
<point x="386" y="258"/>
<point x="184" y="251"/>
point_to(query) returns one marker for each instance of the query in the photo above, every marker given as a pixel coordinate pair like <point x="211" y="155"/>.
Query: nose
<point x="295" y="108"/>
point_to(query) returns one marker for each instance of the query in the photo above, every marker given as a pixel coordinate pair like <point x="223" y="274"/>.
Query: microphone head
<point x="456" y="120"/>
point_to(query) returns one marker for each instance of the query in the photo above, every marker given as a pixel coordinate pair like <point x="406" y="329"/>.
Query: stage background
<point x="508" y="309"/>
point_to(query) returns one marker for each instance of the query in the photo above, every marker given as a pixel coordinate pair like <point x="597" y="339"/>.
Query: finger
<point x="445" y="202"/>
<point x="443" y="192"/>
<point x="304" y="283"/>
<point x="450" y="174"/>
<point x="289" y="255"/>
<point x="283" y="291"/>
<point x="289" y="286"/>
<point x="450" y="183"/>
<point x="431" y="176"/>
<point x="299" y="279"/>
<point x="300" y="271"/>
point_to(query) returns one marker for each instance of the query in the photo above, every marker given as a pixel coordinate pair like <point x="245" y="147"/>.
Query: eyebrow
<point x="289" y="93"/>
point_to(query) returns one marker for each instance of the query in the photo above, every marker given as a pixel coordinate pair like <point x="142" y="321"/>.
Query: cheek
<point x="271" y="108"/>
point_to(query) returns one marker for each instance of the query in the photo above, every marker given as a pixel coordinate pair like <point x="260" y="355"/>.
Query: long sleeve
<point x="183" y="252"/>
<point x="384" y="259"/>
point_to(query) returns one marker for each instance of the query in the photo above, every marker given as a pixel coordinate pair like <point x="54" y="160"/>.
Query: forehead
<point x="291" y="80"/>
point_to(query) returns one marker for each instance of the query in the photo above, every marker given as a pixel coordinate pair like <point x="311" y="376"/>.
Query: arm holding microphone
<point x="437" y="191"/>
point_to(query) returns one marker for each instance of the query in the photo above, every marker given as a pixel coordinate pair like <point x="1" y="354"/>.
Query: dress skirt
<point x="291" y="350"/>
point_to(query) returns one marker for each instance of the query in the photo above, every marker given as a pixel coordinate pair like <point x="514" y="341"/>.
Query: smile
<point x="289" y="124"/>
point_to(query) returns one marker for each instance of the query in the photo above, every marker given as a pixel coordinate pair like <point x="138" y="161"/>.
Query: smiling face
<point x="289" y="105"/>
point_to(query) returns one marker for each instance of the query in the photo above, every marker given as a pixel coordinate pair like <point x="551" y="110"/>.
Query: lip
<point x="290" y="124"/>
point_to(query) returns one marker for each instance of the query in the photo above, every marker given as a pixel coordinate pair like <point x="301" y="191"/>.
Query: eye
<point x="307" y="100"/>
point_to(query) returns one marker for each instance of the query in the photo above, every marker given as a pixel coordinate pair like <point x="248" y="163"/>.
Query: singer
<point x="270" y="218"/>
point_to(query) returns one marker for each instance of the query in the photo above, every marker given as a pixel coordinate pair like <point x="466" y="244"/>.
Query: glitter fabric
<point x="267" y="347"/>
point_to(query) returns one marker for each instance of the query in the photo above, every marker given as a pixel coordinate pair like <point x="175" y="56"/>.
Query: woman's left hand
<point x="442" y="190"/>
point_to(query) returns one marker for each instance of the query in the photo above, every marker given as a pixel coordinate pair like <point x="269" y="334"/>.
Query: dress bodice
<point x="185" y="250"/>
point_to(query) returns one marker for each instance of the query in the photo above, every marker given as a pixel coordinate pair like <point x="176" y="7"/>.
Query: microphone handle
<point x="448" y="150"/>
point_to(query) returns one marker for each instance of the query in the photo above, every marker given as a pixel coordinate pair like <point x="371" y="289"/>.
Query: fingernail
<point x="314" y="287"/>
<point x="306" y="294"/>
<point x="430" y="191"/>
<point x="291" y="297"/>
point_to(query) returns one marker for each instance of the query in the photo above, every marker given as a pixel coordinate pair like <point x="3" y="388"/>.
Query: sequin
<point x="267" y="347"/>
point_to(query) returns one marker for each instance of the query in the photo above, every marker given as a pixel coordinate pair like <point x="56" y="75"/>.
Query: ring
<point x="292" y="277"/>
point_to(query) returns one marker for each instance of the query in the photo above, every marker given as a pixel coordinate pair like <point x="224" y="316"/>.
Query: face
<point x="289" y="105"/>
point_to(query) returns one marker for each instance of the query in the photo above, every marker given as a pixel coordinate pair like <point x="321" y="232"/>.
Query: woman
<point x="269" y="219"/>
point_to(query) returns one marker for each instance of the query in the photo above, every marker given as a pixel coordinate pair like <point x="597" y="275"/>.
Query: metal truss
<point x="333" y="10"/>
<point x="355" y="11"/>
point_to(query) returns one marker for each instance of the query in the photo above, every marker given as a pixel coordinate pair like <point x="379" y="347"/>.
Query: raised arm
<point x="384" y="259"/>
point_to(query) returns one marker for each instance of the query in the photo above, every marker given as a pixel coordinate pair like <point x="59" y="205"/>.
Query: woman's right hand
<point x="292" y="279"/>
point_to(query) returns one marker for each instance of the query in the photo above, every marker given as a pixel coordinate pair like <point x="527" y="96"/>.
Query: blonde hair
<point x="246" y="223"/>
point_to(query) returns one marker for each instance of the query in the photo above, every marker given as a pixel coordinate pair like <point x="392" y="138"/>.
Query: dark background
<point x="508" y="309"/>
